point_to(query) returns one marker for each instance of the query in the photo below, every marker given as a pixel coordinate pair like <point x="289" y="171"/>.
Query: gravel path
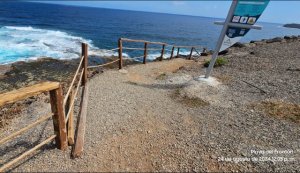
<point x="139" y="120"/>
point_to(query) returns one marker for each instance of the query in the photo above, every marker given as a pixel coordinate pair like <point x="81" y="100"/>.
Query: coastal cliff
<point x="292" y="25"/>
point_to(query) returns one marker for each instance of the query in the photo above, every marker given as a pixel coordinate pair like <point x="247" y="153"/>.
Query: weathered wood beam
<point x="172" y="52"/>
<point x="191" y="54"/>
<point x="71" y="118"/>
<point x="59" y="122"/>
<point x="145" y="52"/>
<point x="120" y="54"/>
<point x="85" y="63"/>
<point x="79" y="143"/>
<point x="23" y="93"/>
<point x="162" y="52"/>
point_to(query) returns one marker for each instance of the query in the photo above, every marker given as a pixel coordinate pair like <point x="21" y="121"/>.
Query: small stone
<point x="123" y="71"/>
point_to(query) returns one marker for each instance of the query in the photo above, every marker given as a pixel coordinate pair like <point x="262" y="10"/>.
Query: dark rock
<point x="252" y="53"/>
<point x="210" y="52"/>
<point x="287" y="37"/>
<point x="294" y="37"/>
<point x="95" y="71"/>
<point x="204" y="54"/>
<point x="239" y="45"/>
<point x="292" y="25"/>
<point x="273" y="40"/>
<point x="223" y="52"/>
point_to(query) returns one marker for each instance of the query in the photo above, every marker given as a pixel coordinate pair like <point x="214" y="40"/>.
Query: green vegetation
<point x="219" y="62"/>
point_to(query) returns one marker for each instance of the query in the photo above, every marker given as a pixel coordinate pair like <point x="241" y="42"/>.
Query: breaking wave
<point x="28" y="43"/>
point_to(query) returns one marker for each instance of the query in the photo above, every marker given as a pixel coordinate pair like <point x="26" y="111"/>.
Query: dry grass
<point x="189" y="102"/>
<point x="225" y="79"/>
<point x="162" y="76"/>
<point x="9" y="112"/>
<point x="282" y="110"/>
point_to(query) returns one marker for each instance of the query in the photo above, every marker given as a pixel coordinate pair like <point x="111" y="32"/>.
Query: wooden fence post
<point x="120" y="53"/>
<point x="162" y="52"/>
<point x="191" y="54"/>
<point x="56" y="100"/>
<point x="71" y="118"/>
<point x="172" y="52"/>
<point x="145" y="52"/>
<point x="85" y="63"/>
<point x="177" y="52"/>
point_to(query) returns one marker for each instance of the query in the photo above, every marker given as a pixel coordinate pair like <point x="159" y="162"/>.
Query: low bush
<point x="219" y="62"/>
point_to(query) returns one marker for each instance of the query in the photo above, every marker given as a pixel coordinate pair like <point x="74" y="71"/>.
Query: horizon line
<point x="83" y="6"/>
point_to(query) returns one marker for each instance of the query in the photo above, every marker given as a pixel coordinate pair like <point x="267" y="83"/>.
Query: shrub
<point x="219" y="62"/>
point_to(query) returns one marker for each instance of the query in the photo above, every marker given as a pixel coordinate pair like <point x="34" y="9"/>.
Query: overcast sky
<point x="277" y="11"/>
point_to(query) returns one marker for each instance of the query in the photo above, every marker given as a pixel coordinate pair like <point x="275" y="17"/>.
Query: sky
<point x="276" y="12"/>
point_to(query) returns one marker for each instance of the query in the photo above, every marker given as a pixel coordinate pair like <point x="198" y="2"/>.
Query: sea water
<point x="33" y="30"/>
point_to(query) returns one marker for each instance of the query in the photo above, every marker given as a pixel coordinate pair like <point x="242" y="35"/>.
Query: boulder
<point x="239" y="45"/>
<point x="204" y="54"/>
<point x="223" y="52"/>
<point x="287" y="37"/>
<point x="273" y="40"/>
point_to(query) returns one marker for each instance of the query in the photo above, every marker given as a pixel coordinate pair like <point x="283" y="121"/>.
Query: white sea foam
<point x="25" y="43"/>
<point x="28" y="43"/>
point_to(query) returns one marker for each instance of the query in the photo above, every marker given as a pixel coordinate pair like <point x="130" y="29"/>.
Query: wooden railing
<point x="62" y="106"/>
<point x="146" y="49"/>
<point x="62" y="110"/>
<point x="57" y="114"/>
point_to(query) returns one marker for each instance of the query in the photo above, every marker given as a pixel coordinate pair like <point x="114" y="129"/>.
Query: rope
<point x="75" y="94"/>
<point x="134" y="48"/>
<point x="73" y="81"/>
<point x="135" y="58"/>
<point x="197" y="52"/>
<point x="101" y="65"/>
<point x="113" y="49"/>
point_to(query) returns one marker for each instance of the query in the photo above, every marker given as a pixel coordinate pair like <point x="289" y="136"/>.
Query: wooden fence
<point x="62" y="109"/>
<point x="146" y="48"/>
<point x="62" y="106"/>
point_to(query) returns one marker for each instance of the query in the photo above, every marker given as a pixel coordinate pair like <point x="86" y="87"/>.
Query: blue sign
<point x="246" y="12"/>
<point x="242" y="16"/>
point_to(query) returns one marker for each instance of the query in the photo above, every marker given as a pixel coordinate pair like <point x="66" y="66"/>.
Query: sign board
<point x="247" y="13"/>
<point x="241" y="17"/>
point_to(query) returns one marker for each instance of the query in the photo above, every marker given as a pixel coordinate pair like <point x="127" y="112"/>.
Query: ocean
<point x="33" y="30"/>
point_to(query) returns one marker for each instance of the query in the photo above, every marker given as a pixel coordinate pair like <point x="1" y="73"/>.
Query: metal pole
<point x="221" y="38"/>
